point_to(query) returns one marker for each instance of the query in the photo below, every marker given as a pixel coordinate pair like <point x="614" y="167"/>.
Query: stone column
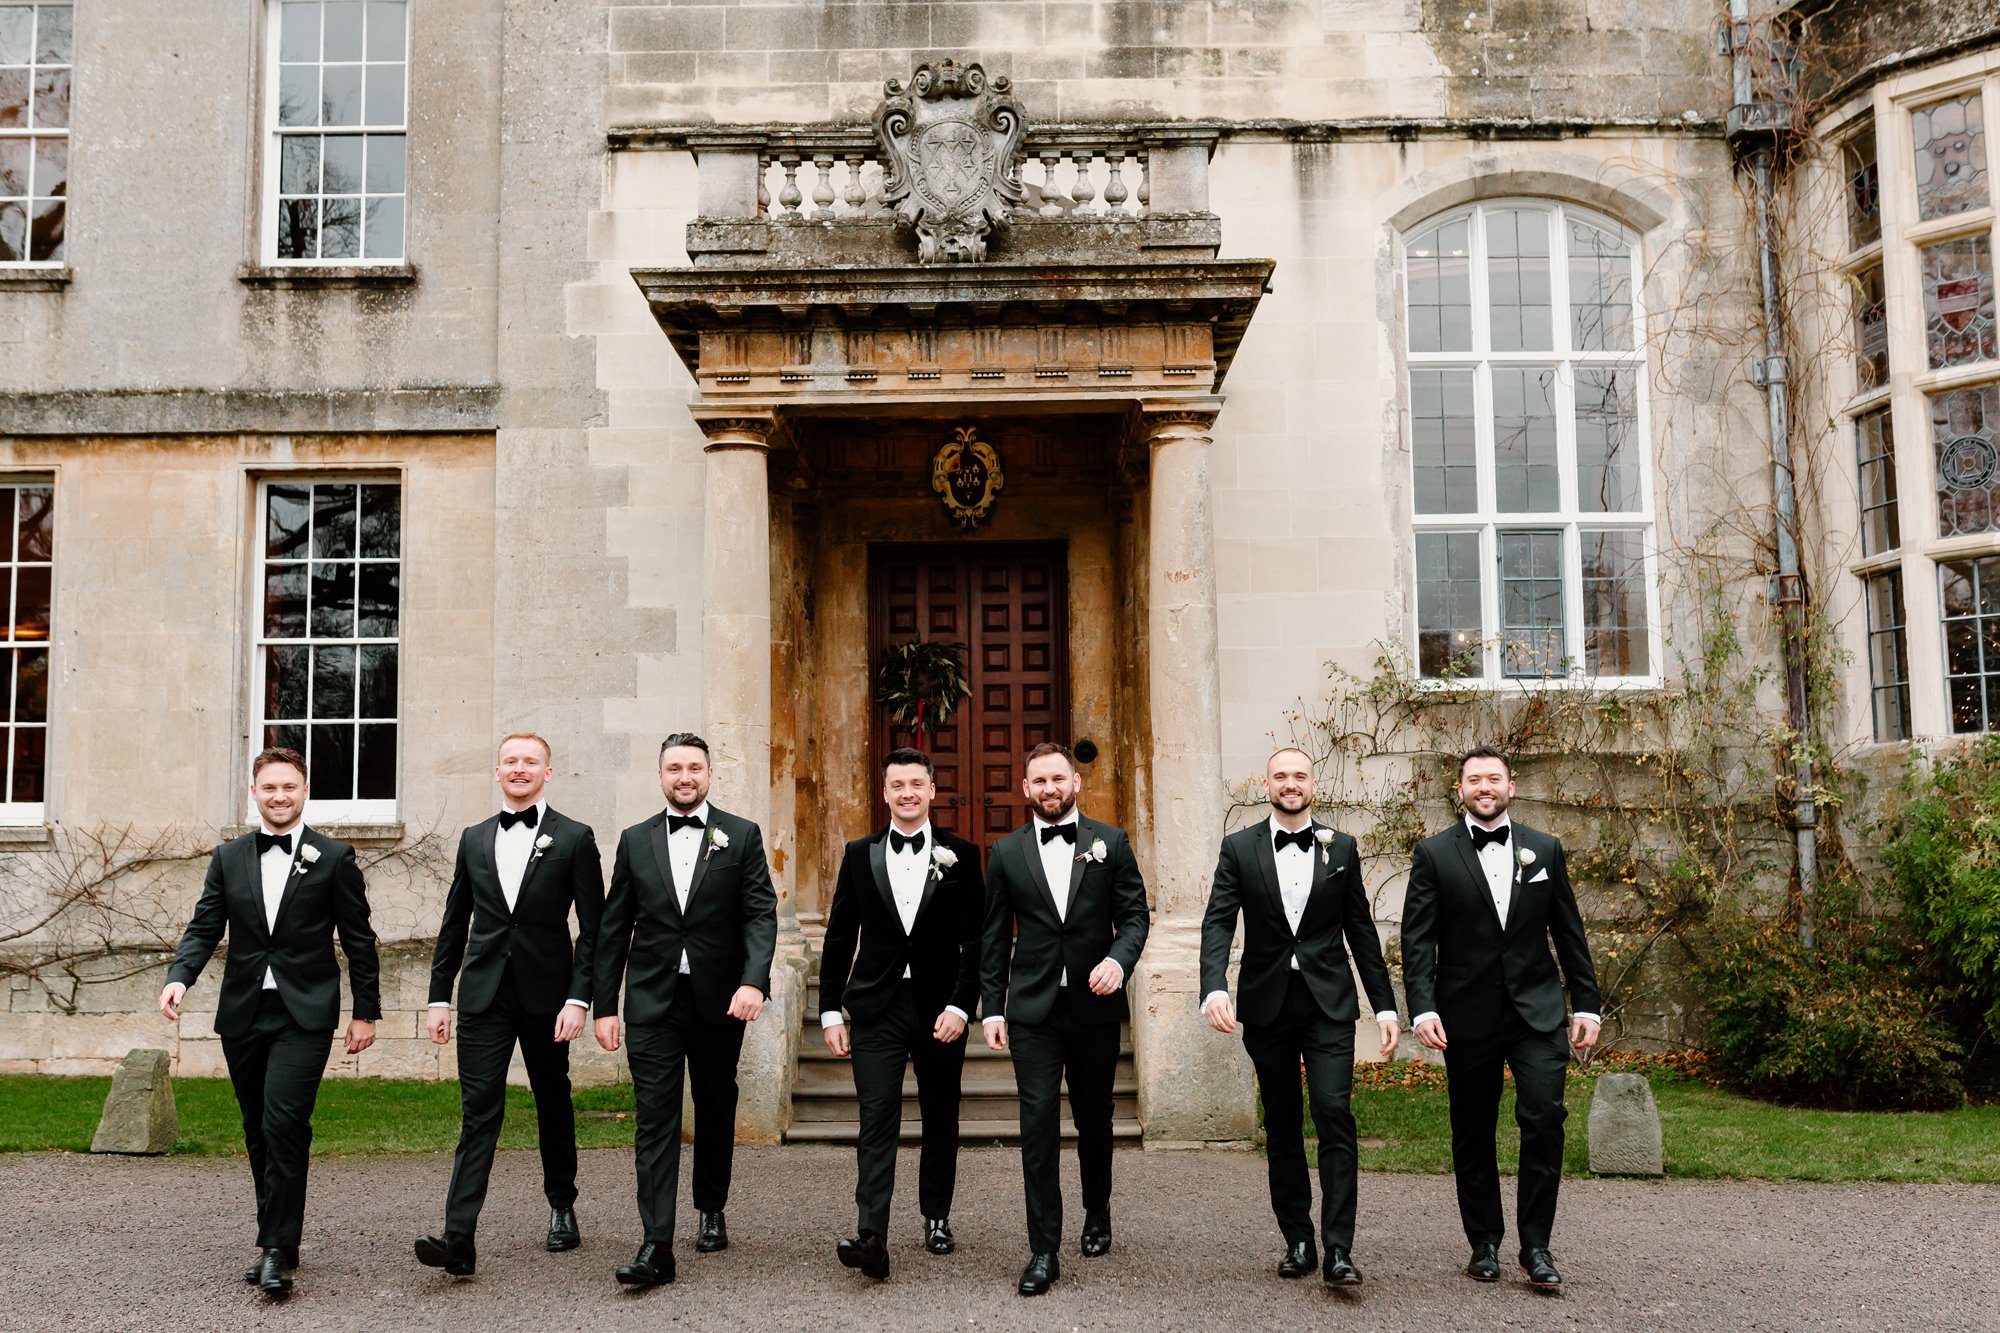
<point x="736" y="720"/>
<point x="1195" y="1085"/>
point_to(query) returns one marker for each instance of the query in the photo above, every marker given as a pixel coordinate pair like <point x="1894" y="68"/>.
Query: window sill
<point x="1565" y="684"/>
<point x="36" y="279"/>
<point x="320" y="277"/>
<point x="26" y="837"/>
<point x="357" y="835"/>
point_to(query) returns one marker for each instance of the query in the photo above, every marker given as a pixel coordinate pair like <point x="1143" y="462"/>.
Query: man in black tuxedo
<point x="1054" y="993"/>
<point x="1298" y="886"/>
<point x="280" y="894"/>
<point x="519" y="876"/>
<point x="1487" y="897"/>
<point x="693" y="919"/>
<point x="913" y="897"/>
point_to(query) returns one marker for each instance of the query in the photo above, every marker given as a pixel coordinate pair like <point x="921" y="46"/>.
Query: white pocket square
<point x="1538" y="877"/>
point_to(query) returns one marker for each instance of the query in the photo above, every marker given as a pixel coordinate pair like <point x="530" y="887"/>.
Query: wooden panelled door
<point x="1006" y="605"/>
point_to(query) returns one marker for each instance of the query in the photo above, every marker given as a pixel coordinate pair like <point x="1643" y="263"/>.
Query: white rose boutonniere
<point x="717" y="840"/>
<point x="1524" y="857"/>
<point x="542" y="844"/>
<point x="1324" y="837"/>
<point x="307" y="855"/>
<point x="1098" y="851"/>
<point x="943" y="857"/>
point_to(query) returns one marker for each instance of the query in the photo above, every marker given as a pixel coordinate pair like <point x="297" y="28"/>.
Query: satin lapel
<point x="1463" y="837"/>
<point x="658" y="836"/>
<point x="546" y="829"/>
<point x="1031" y="851"/>
<point x="242" y="866"/>
<point x="933" y="873"/>
<point x="1322" y="869"/>
<point x="485" y="866"/>
<point x="1267" y="862"/>
<point x="1086" y="833"/>
<point x="1520" y="885"/>
<point x="703" y="852"/>
<point x="878" y="863"/>
<point x="292" y="878"/>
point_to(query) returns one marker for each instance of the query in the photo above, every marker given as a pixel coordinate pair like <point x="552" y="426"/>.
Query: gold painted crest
<point x="967" y="477"/>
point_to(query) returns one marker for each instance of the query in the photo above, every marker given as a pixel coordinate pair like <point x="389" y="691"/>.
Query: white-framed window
<point x="335" y="184"/>
<point x="1530" y="490"/>
<point x="35" y="53"/>
<point x="27" y="575"/>
<point x="327" y="653"/>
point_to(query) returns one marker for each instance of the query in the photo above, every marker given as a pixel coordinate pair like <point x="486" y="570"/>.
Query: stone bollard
<point x="1625" y="1127"/>
<point x="139" y="1115"/>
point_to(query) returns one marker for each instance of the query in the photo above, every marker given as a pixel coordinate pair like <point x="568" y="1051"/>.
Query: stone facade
<point x="589" y="558"/>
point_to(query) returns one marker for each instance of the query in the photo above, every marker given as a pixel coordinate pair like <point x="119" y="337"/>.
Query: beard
<point x="1061" y="813"/>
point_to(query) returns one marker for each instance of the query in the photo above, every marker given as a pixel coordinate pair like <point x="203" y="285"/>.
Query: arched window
<point x="1532" y="506"/>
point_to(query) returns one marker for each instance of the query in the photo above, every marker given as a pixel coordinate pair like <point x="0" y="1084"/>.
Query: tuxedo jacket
<point x="321" y="897"/>
<point x="1460" y="964"/>
<point x="866" y="948"/>
<point x="1027" y="945"/>
<point x="729" y="930"/>
<point x="530" y="942"/>
<point x="1337" y="909"/>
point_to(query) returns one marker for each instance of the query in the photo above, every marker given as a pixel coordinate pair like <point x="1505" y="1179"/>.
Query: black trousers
<point x="275" y="1069"/>
<point x="1539" y="1061"/>
<point x="1044" y="1055"/>
<point x="1304" y="1034"/>
<point x="486" y="1042"/>
<point x="704" y="1051"/>
<point x="882" y="1048"/>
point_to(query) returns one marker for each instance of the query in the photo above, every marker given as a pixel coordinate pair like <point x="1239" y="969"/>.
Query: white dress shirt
<point x="909" y="870"/>
<point x="513" y="850"/>
<point x="1295" y="878"/>
<point x="684" y="846"/>
<point x="276" y="868"/>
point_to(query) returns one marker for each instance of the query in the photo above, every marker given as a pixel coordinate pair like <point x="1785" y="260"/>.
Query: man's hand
<point x="996" y="1035"/>
<point x="949" y="1026"/>
<point x="1431" y="1033"/>
<point x="607" y="1032"/>
<point x="1583" y="1033"/>
<point x="569" y="1023"/>
<point x="360" y="1036"/>
<point x="1392" y="1032"/>
<point x="1220" y="1013"/>
<point x="170" y="1000"/>
<point x="437" y="1023"/>
<point x="746" y="1004"/>
<point x="836" y="1039"/>
<point x="1106" y="978"/>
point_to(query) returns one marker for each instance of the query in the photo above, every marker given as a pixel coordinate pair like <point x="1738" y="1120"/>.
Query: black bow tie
<point x="1050" y="832"/>
<point x="675" y="823"/>
<point x="1301" y="839"/>
<point x="266" y="841"/>
<point x="913" y="841"/>
<point x="531" y="817"/>
<point x="1484" y="837"/>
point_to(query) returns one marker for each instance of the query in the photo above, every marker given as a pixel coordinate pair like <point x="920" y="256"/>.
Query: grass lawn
<point x="353" y="1115"/>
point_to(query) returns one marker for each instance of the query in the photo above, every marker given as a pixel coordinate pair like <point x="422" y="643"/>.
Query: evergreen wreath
<point x="921" y="683"/>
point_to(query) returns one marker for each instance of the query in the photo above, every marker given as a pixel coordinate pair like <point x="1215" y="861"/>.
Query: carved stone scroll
<point x="950" y="144"/>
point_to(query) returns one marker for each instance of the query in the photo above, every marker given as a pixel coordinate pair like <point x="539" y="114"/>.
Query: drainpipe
<point x="1755" y="126"/>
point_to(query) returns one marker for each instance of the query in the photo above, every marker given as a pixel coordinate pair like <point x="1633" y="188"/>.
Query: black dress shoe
<point x="714" y="1233"/>
<point x="654" y="1265"/>
<point x="451" y="1252"/>
<point x="273" y="1278"/>
<point x="1096" y="1234"/>
<point x="1300" y="1259"/>
<point x="1541" y="1270"/>
<point x="1340" y="1270"/>
<point x="1041" y="1272"/>
<point x="288" y="1255"/>
<point x="867" y="1253"/>
<point x="563" y="1234"/>
<point x="937" y="1236"/>
<point x="1485" y="1264"/>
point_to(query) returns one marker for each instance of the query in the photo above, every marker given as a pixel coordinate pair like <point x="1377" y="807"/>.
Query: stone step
<point x="973" y="1106"/>
<point x="972" y="1134"/>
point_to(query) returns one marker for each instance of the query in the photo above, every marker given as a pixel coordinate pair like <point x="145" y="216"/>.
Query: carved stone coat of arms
<point x="949" y="146"/>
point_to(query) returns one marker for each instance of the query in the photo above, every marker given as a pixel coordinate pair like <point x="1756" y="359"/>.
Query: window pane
<point x="340" y="237"/>
<point x="286" y="521"/>
<point x="378" y="680"/>
<point x="381" y="521"/>
<point x="1531" y="609"/>
<point x="298" y="172"/>
<point x="53" y="36"/>
<point x="14" y="84"/>
<point x="1526" y="477"/>
<point x="342" y="171"/>
<point x="298" y="33"/>
<point x="287" y="738"/>
<point x="298" y="94"/>
<point x="285" y="602"/>
<point x="17" y="35"/>
<point x="31" y="602"/>
<point x="31" y="685"/>
<point x="332" y="683"/>
<point x="52" y="99"/>
<point x="385" y="164"/>
<point x="1963" y="449"/>
<point x="15" y="155"/>
<point x="332" y="761"/>
<point x="340" y="95"/>
<point x="333" y="520"/>
<point x="1614" y="604"/>
<point x="386" y="23"/>
<point x="45" y="237"/>
<point x="378" y="601"/>
<point x="332" y="599"/>
<point x="51" y="168"/>
<point x="35" y="507"/>
<point x="30" y="759"/>
<point x="1951" y="156"/>
<point x="376" y="779"/>
<point x="1607" y="447"/>
<point x="343" y="30"/>
<point x="1440" y="287"/>
<point x="1448" y="634"/>
<point x="1958" y="301"/>
<point x="1864" y="190"/>
<point x="1517" y="276"/>
<point x="384" y="239"/>
<point x="13" y="233"/>
<point x="383" y="104"/>
<point x="1600" y="290"/>
<point x="1875" y="450"/>
<point x="7" y="503"/>
<point x="1871" y="329"/>
<point x="1442" y="447"/>
<point x="1972" y="621"/>
<point x="1888" y="657"/>
<point x="285" y="683"/>
<point x="298" y="229"/>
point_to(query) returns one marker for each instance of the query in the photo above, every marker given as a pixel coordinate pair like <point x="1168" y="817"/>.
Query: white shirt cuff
<point x="440" y="1004"/>
<point x="1595" y="1018"/>
<point x="991" y="1019"/>
<point x="963" y="1017"/>
<point x="1211" y="996"/>
<point x="1385" y="1016"/>
<point x="832" y="1019"/>
<point x="1427" y="1016"/>
<point x="1121" y="969"/>
<point x="581" y="1004"/>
